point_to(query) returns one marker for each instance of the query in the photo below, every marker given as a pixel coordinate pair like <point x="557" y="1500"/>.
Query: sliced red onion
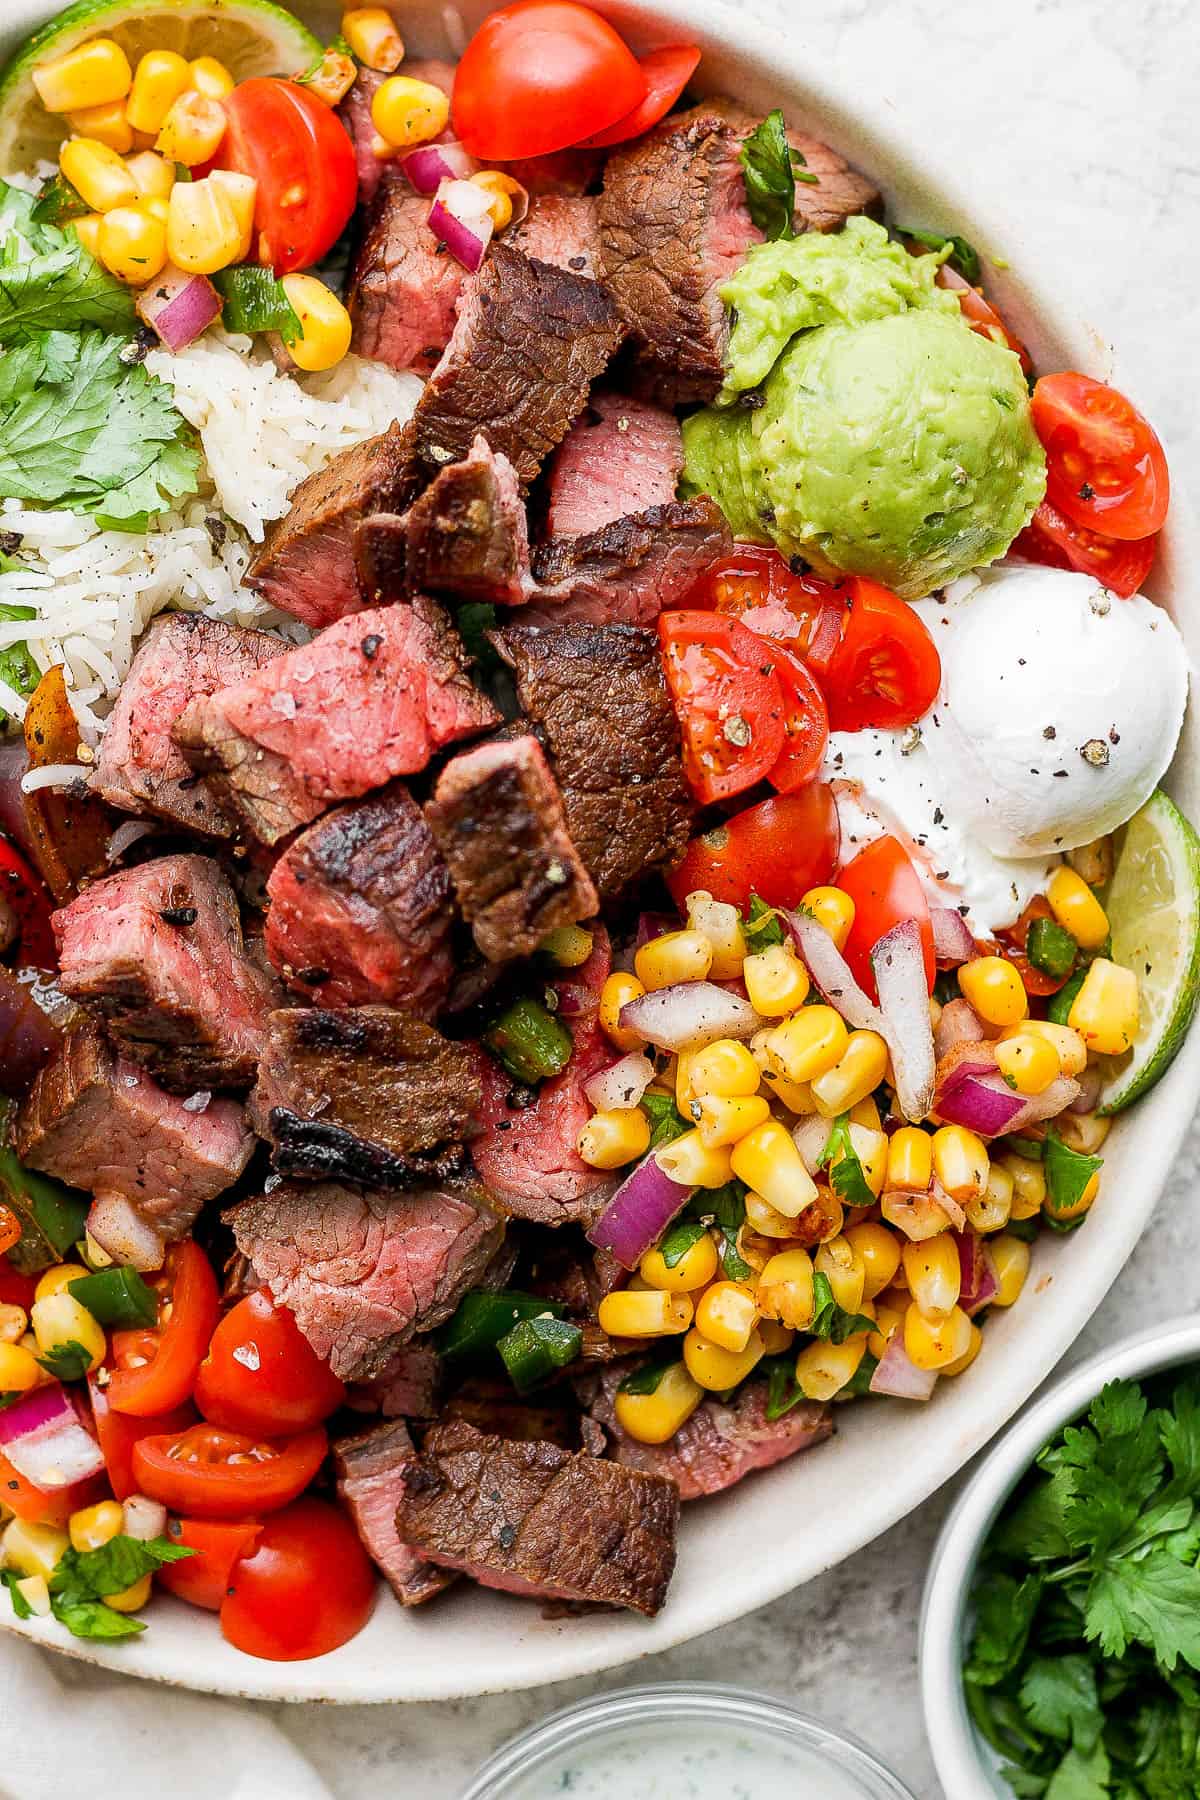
<point x="949" y="1205"/>
<point x="459" y="218"/>
<point x="1058" y="1097"/>
<point x="178" y="306"/>
<point x="958" y="1024"/>
<point x="125" y="836"/>
<point x="621" y="1086"/>
<point x="430" y="164"/>
<point x="952" y="939"/>
<point x="899" y="1376"/>
<point x="651" y="925"/>
<point x="918" y="1216"/>
<point x="45" y="1441"/>
<point x="1090" y="1083"/>
<point x="979" y="1285"/>
<point x="983" y="1103"/>
<point x="899" y="964"/>
<point x="831" y="973"/>
<point x="119" y="1229"/>
<point x="810" y="1138"/>
<point x="639" y="1212"/>
<point x="689" y="1015"/>
<point x="143" y="1518"/>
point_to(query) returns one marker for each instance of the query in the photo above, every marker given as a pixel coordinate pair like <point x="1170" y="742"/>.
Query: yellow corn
<point x="717" y="1369"/>
<point x="726" y="1314"/>
<point x="1105" y="1010"/>
<point x="809" y="1044"/>
<point x="653" y="1418"/>
<point x="826" y="1216"/>
<point x="776" y="1337"/>
<point x="844" y="1270"/>
<point x="58" y="1279"/>
<point x="716" y="920"/>
<point x="878" y="1250"/>
<point x="753" y="1247"/>
<point x="651" y="1312"/>
<point x="994" y="989"/>
<point x="36" y="1595"/>
<point x="933" y="1344"/>
<point x="934" y="1276"/>
<point x="862" y="1067"/>
<point x="960" y="1162"/>
<point x="785" y="1289"/>
<point x="59" y="1320"/>
<point x="87" y="230"/>
<point x="157" y="209"/>
<point x="324" y="326"/>
<point x="204" y="231"/>
<point x="153" y="175"/>
<point x="676" y="956"/>
<point x="130" y="1599"/>
<point x="968" y="1356"/>
<point x="192" y="130"/>
<point x="684" y="1094"/>
<point x="865" y="1112"/>
<point x="917" y="1216"/>
<point x="618" y="991"/>
<point x="889" y="1308"/>
<point x="1084" y="1132"/>
<point x="871" y="1149"/>
<point x="407" y="112"/>
<point x="97" y="173"/>
<point x="768" y="1161"/>
<point x="1067" y="1045"/>
<point x="690" y="1162"/>
<point x="1029" y="1185"/>
<point x="94" y="1526"/>
<point x="765" y="1219"/>
<point x="371" y="33"/>
<point x="725" y="1068"/>
<point x="159" y="79"/>
<point x="910" y="1159"/>
<point x="93" y="74"/>
<point x="132" y="242"/>
<point x="1010" y="1259"/>
<point x="795" y="1095"/>
<point x="823" y="1368"/>
<point x="992" y="1209"/>
<point x="611" y="1139"/>
<point x="33" y="1549"/>
<point x="14" y="1323"/>
<point x="19" y="1369"/>
<point x="1076" y="908"/>
<point x="104" y="125"/>
<point x="1027" y="1062"/>
<point x="209" y="77"/>
<point x="333" y="77"/>
<point x="832" y="909"/>
<point x="695" y="1268"/>
<point x="776" y="981"/>
<point x="567" y="945"/>
<point x="721" y="1122"/>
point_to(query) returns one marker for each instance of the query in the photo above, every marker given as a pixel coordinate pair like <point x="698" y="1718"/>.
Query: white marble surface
<point x="1082" y="116"/>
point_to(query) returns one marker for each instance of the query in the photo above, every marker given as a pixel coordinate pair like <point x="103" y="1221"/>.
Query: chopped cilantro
<point x="763" y="926"/>
<point x="1068" y="1173"/>
<point x="666" y="1121"/>
<point x="645" y="1379"/>
<point x="678" y="1239"/>
<point x="830" y="1320"/>
<point x="66" y="1362"/>
<point x="963" y="256"/>
<point x="846" y="1175"/>
<point x="772" y="169"/>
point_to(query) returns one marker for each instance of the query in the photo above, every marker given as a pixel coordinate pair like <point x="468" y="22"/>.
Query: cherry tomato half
<point x="305" y="1586"/>
<point x="777" y="850"/>
<point x="204" y="1579"/>
<point x="983" y="317"/>
<point x="262" y="1376"/>
<point x="805" y="721"/>
<point x="885" y="889"/>
<point x="886" y="670"/>
<point x="667" y="73"/>
<point x="300" y="154"/>
<point x="39" y="1505"/>
<point x="759" y="587"/>
<point x="118" y="1432"/>
<point x="539" y="76"/>
<point x="1119" y="564"/>
<point x="216" y="1474"/>
<point x="1106" y="469"/>
<point x="156" y="1370"/>
<point x="727" y="699"/>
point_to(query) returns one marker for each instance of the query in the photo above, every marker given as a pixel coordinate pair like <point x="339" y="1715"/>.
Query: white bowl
<point x="808" y="1514"/>
<point x="966" y="1765"/>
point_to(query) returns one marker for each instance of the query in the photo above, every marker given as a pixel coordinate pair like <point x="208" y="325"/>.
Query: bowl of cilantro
<point x="1060" y="1633"/>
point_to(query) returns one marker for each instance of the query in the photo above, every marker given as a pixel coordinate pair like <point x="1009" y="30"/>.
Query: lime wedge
<point x="251" y="37"/>
<point x="1154" y="912"/>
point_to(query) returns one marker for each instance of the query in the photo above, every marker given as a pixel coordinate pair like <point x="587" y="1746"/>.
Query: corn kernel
<point x="192" y="131"/>
<point x="795" y="1095"/>
<point x="1029" y="1185"/>
<point x="694" y="1269"/>
<point x="866" y="1112"/>
<point x="831" y="908"/>
<point x="1105" y="1010"/>
<point x="1062" y="1215"/>
<point x="132" y="243"/>
<point x="1027" y="1062"/>
<point x="95" y="1526"/>
<point x="653" y="1418"/>
<point x="87" y="230"/>
<point x="765" y="1220"/>
<point x="690" y="1162"/>
<point x="968" y="1356"/>
<point x="776" y="981"/>
<point x="674" y="957"/>
<point x="611" y="1139"/>
<point x="960" y="1162"/>
<point x="934" y="1343"/>
<point x="722" y="1122"/>
<point x="104" y="125"/>
<point x="209" y="77"/>
<point x="890" y="1309"/>
<point x="918" y="1216"/>
<point x="934" y="1276"/>
<point x="407" y="112"/>
<point x="35" y="1592"/>
<point x="204" y="230"/>
<point x="20" y="1370"/>
<point x="97" y="174"/>
<point x="725" y="1068"/>
<point x="130" y="1599"/>
<point x="717" y="1369"/>
<point x="683" y="1080"/>
<point x="371" y="34"/>
<point x="994" y="989"/>
<point x="823" y="1368"/>
<point x="910" y="1159"/>
<point x="1084" y="1132"/>
<point x="59" y="1320"/>
<point x="824" y="1219"/>
<point x="159" y="79"/>
<point x="1076" y="908"/>
<point x="844" y="1270"/>
<point x="776" y="1337"/>
<point x="1010" y="1260"/>
<point x="871" y="1149"/>
<point x="58" y="1279"/>
<point x="324" y="323"/>
<point x="93" y="74"/>
<point x="649" y="1313"/>
<point x="1067" y="1045"/>
<point x="716" y="920"/>
<point x="785" y="1289"/>
<point x="992" y="1209"/>
<point x="568" y="945"/>
<point x="14" y="1323"/>
<point x="862" y="1067"/>
<point x="333" y="78"/>
<point x="753" y="1247"/>
<point x="33" y="1549"/>
<point x="153" y="175"/>
<point x="726" y="1314"/>
<point x="878" y="1249"/>
<point x="808" y="1044"/>
<point x="619" y="989"/>
<point x="768" y="1161"/>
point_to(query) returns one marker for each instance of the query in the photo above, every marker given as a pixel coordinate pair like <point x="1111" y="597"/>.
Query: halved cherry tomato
<point x="216" y="1474"/>
<point x="759" y="587"/>
<point x="1106" y="469"/>
<point x="885" y="889"/>
<point x="805" y="721"/>
<point x="777" y="850"/>
<point x="38" y="1505"/>
<point x="305" y="1587"/>
<point x="727" y="698"/>
<point x="156" y="1370"/>
<point x="667" y="73"/>
<point x="261" y="1375"/>
<point x="299" y="152"/>
<point x="27" y="895"/>
<point x="1119" y="564"/>
<point x="204" y="1579"/>
<point x="1011" y="945"/>
<point x="119" y="1432"/>
<point x="16" y="1289"/>
<point x="539" y="76"/>
<point x="981" y="316"/>
<point x="886" y="670"/>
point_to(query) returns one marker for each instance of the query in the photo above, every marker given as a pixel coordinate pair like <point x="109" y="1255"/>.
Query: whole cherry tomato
<point x="305" y="1586"/>
<point x="262" y="1376"/>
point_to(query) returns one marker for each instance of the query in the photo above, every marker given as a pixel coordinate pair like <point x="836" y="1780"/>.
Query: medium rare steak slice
<point x="365" y="1271"/>
<point x="621" y="456"/>
<point x="370" y="698"/>
<point x="719" y="1444"/>
<point x="159" y="949"/>
<point x="405" y="286"/>
<point x="497" y="816"/>
<point x="406" y="1389"/>
<point x="466" y="535"/>
<point x="139" y="766"/>
<point x="98" y="1122"/>
<point x="600" y="701"/>
<point x="360" y="908"/>
<point x="370" y="1484"/>
<point x="563" y="230"/>
<point x="360" y="1093"/>
<point x="532" y="1518"/>
<point x="630" y="570"/>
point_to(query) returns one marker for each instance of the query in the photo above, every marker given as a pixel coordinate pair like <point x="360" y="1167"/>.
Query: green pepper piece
<point x="1059" y="1005"/>
<point x="116" y="1297"/>
<point x="1050" y="948"/>
<point x="482" y="1319"/>
<point x="529" y="1041"/>
<point x="50" y="1215"/>
<point x="536" y="1348"/>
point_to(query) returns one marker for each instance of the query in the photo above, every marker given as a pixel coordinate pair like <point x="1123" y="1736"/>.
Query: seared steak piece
<point x="305" y="565"/>
<point x="360" y="908"/>
<point x="370" y="1484"/>
<point x="370" y="698"/>
<point x="675" y="225"/>
<point x="465" y="536"/>
<point x="563" y="230"/>
<point x="497" y="816"/>
<point x="405" y="286"/>
<point x="531" y="1518"/>
<point x="365" y="1271"/>
<point x="98" y="1122"/>
<point x="630" y="570"/>
<point x="359" y="1093"/>
<point x="719" y="1444"/>
<point x="139" y="767"/>
<point x="406" y="1389"/>
<point x="159" y="948"/>
<point x="621" y="456"/>
<point x="599" y="699"/>
<point x="490" y="1404"/>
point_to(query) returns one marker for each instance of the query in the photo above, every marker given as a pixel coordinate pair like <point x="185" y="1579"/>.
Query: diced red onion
<point x="651" y="925"/>
<point x="979" y="1285"/>
<point x="622" y="1085"/>
<point x="899" y="1376"/>
<point x="143" y="1518"/>
<point x="982" y="1102"/>
<point x="918" y="1216"/>
<point x="1090" y="1083"/>
<point x="831" y="973"/>
<point x="430" y="164"/>
<point x="952" y="939"/>
<point x="460" y="219"/>
<point x="639" y="1212"/>
<point x="119" y="1229"/>
<point x="689" y="1015"/>
<point x="1058" y="1097"/>
<point x="810" y="1138"/>
<point x="125" y="836"/>
<point x="959" y="1024"/>
<point x="178" y="306"/>
<point x="899" y="964"/>
<point x="46" y="1442"/>
<point x="949" y="1205"/>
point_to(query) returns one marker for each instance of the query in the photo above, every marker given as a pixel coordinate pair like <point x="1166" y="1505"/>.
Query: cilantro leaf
<point x="20" y="1605"/>
<point x="726" y="1207"/>
<point x="59" y="203"/>
<point x="1060" y="1697"/>
<point x="830" y="1320"/>
<point x="1004" y="1614"/>
<point x="963" y="256"/>
<point x="845" y="1167"/>
<point x="115" y="1566"/>
<point x="762" y="927"/>
<point x="17" y="667"/>
<point x="1068" y="1173"/>
<point x="645" y="1379"/>
<point x="666" y="1121"/>
<point x="1153" y="1601"/>
<point x="67" y="1362"/>
<point x="48" y="281"/>
<point x="1179" y="1430"/>
<point x="783" y="1390"/>
<point x="678" y="1240"/>
<point x="88" y="1618"/>
<point x="1080" y="1777"/>
<point x="771" y="169"/>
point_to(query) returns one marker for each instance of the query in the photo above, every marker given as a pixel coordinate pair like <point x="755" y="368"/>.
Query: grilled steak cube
<point x="364" y="1271"/>
<point x="360" y="908"/>
<point x="629" y="570"/>
<point x="561" y="229"/>
<point x="621" y="456"/>
<point x="370" y="1484"/>
<point x="370" y="698"/>
<point x="466" y="535"/>
<point x="497" y="816"/>
<point x="358" y="1094"/>
<point x="159" y="949"/>
<point x="406" y="1389"/>
<point x="405" y="288"/>
<point x="139" y="767"/>
<point x="532" y="1518"/>
<point x="599" y="700"/>
<point x="98" y="1122"/>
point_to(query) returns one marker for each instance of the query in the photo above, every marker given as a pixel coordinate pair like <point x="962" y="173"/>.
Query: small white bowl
<point x="965" y="1764"/>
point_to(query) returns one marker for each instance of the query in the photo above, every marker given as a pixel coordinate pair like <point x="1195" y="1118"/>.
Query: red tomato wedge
<point x="777" y="850"/>
<point x="758" y="586"/>
<point x="885" y="889"/>
<point x="1106" y="469"/>
<point x="886" y="670"/>
<point x="204" y="1579"/>
<point x="667" y="73"/>
<point x="983" y="317"/>
<point x="300" y="154"/>
<point x="39" y="1506"/>
<point x="261" y="1375"/>
<point x="805" y="721"/>
<point x="156" y="1370"/>
<point x="540" y="76"/>
<point x="1011" y="945"/>
<point x="305" y="1586"/>
<point x="1119" y="564"/>
<point x="727" y="699"/>
<point x="216" y="1474"/>
<point x="119" y="1432"/>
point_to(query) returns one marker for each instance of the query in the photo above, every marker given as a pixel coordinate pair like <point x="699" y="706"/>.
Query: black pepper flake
<point x="799" y="566"/>
<point x="1114" y="736"/>
<point x="751" y="400"/>
<point x="179" y="915"/>
<point x="1059" y="774"/>
<point x="370" y="646"/>
<point x="1087" y="491"/>
<point x="10" y="542"/>
<point x="1049" y="733"/>
<point x="577" y="262"/>
<point x="507" y="1536"/>
<point x="217" y="531"/>
<point x="311" y="977"/>
<point x="938" y="815"/>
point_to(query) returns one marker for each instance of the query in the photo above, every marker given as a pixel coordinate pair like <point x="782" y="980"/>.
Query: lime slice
<point x="1154" y="912"/>
<point x="251" y="37"/>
